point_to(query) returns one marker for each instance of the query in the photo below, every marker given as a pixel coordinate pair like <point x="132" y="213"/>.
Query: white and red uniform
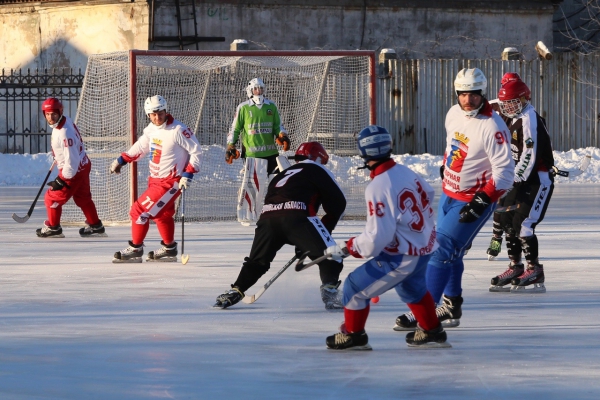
<point x="477" y="156"/>
<point x="173" y="149"/>
<point x="74" y="168"/>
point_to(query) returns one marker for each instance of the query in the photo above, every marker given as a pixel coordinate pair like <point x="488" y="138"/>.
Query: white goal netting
<point x="324" y="96"/>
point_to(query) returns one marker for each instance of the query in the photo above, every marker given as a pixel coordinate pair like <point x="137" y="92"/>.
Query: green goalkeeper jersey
<point x="259" y="127"/>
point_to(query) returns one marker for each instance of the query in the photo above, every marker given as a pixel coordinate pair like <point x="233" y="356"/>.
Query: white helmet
<point x="469" y="80"/>
<point x="256" y="83"/>
<point x="154" y="104"/>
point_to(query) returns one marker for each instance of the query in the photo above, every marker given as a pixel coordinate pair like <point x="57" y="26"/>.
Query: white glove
<point x="185" y="182"/>
<point x="337" y="253"/>
<point x="115" y="167"/>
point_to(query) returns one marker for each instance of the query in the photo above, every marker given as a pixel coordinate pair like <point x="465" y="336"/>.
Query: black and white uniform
<point x="289" y="217"/>
<point x="533" y="183"/>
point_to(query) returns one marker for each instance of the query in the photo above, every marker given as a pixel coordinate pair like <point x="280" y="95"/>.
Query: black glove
<point x="473" y="210"/>
<point x="57" y="184"/>
<point x="442" y="171"/>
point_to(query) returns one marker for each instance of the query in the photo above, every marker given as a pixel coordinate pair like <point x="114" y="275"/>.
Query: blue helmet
<point x="374" y="143"/>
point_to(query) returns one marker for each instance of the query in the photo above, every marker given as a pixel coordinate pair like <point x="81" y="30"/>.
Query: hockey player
<point x="174" y="159"/>
<point x="289" y="217"/>
<point x="73" y="178"/>
<point x="478" y="169"/>
<point x="259" y="125"/>
<point x="400" y="236"/>
<point x="532" y="190"/>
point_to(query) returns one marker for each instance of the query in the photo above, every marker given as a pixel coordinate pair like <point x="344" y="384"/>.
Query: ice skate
<point x="348" y="341"/>
<point x="96" y="230"/>
<point x="531" y="281"/>
<point x="331" y="296"/>
<point x="449" y="314"/>
<point x="229" y="298"/>
<point x="433" y="339"/>
<point x="494" y="249"/>
<point x="501" y="282"/>
<point x="132" y="254"/>
<point x="49" y="232"/>
<point x="164" y="254"/>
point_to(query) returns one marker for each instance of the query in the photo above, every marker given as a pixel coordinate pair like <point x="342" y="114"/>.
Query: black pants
<point x="271" y="234"/>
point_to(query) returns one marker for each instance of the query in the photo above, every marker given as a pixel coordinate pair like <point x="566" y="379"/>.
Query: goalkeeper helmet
<point x="154" y="104"/>
<point x="312" y="151"/>
<point x="374" y="143"/>
<point x="52" y="104"/>
<point x="256" y="83"/>
<point x="513" y="96"/>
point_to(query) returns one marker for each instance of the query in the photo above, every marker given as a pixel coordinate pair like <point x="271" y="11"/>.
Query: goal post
<point x="327" y="96"/>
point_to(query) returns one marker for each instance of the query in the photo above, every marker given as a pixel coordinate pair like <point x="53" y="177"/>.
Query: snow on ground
<point x="75" y="326"/>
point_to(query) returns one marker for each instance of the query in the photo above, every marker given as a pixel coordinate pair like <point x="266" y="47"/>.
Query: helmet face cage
<point x="374" y="143"/>
<point x="255" y="83"/>
<point x="513" y="96"/>
<point x="52" y="104"/>
<point x="313" y="151"/>
<point x="154" y="104"/>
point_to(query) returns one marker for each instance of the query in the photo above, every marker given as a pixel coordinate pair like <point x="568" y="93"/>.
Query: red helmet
<point x="312" y="151"/>
<point x="52" y="104"/>
<point x="514" y="89"/>
<point x="509" y="77"/>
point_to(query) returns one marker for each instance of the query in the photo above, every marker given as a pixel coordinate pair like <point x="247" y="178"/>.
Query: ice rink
<point x="76" y="326"/>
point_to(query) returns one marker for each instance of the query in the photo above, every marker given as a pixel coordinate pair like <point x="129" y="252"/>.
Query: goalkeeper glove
<point x="231" y="153"/>
<point x="284" y="141"/>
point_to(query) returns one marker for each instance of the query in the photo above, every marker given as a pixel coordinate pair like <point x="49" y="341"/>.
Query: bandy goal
<point x="327" y="96"/>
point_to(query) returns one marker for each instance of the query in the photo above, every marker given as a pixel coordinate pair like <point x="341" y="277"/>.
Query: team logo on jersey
<point x="155" y="153"/>
<point x="529" y="143"/>
<point x="269" y="111"/>
<point x="458" y="153"/>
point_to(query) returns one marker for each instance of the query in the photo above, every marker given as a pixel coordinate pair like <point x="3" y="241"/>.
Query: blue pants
<point x="445" y="268"/>
<point x="404" y="273"/>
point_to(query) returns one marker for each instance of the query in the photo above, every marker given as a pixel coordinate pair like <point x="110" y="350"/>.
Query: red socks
<point x="424" y="312"/>
<point x="356" y="319"/>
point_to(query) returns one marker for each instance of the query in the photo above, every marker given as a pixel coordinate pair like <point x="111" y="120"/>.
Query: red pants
<point x="79" y="190"/>
<point x="157" y="203"/>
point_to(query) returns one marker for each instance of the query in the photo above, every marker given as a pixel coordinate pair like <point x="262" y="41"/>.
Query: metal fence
<point x="23" y="128"/>
<point x="413" y="97"/>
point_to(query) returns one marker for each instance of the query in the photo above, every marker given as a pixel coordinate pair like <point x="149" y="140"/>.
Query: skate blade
<point x="94" y="235"/>
<point x="221" y="305"/>
<point x="52" y="237"/>
<point x="129" y="261"/>
<point x="353" y="348"/>
<point x="535" y="288"/>
<point x="399" y="328"/>
<point x="496" y="289"/>
<point x="162" y="259"/>
<point x="248" y="223"/>
<point x="451" y="323"/>
<point x="431" y="345"/>
<point x="491" y="257"/>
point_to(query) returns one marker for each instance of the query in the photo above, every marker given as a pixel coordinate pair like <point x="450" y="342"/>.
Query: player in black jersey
<point x="289" y="217"/>
<point x="532" y="190"/>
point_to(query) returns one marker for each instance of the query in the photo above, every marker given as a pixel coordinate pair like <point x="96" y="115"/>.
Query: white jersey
<point x="68" y="149"/>
<point x="173" y="149"/>
<point x="400" y="218"/>
<point x="478" y="156"/>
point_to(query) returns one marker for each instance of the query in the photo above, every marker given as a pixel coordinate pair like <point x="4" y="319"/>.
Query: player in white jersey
<point x="400" y="236"/>
<point x="174" y="159"/>
<point x="478" y="170"/>
<point x="73" y="180"/>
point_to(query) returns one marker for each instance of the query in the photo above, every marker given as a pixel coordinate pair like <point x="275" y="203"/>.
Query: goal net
<point x="326" y="96"/>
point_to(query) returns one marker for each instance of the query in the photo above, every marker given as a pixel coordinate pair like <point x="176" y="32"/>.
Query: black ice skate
<point x="50" y="232"/>
<point x="531" y="281"/>
<point x="229" y="298"/>
<point x="433" y="339"/>
<point x="449" y="314"/>
<point x="132" y="254"/>
<point x="348" y="341"/>
<point x="96" y="230"/>
<point x="501" y="282"/>
<point x="494" y="249"/>
<point x="331" y="296"/>
<point x="167" y="253"/>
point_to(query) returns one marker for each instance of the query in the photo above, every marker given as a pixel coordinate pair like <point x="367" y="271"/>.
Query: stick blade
<point x="20" y="219"/>
<point x="185" y="258"/>
<point x="249" y="299"/>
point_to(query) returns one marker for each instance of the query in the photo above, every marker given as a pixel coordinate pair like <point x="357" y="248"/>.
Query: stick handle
<point x="41" y="188"/>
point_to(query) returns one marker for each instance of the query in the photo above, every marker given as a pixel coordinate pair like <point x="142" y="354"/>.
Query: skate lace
<point x="508" y="272"/>
<point x="442" y="311"/>
<point x="410" y="316"/>
<point x="420" y="335"/>
<point x="131" y="249"/>
<point x="341" y="338"/>
<point x="529" y="272"/>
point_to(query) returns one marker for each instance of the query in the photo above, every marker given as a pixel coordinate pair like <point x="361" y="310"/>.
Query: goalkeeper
<point x="259" y="125"/>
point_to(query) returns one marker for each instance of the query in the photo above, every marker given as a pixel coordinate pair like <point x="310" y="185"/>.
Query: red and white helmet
<point x="513" y="96"/>
<point x="509" y="77"/>
<point x="312" y="151"/>
<point x="52" y="104"/>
